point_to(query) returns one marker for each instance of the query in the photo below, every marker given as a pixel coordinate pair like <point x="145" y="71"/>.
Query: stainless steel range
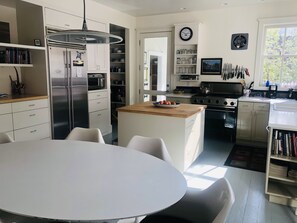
<point x="221" y="99"/>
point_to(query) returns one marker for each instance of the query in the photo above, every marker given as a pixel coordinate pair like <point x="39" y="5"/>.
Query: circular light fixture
<point x="83" y="36"/>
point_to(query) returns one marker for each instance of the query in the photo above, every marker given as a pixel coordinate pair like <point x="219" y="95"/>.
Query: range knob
<point x="201" y="101"/>
<point x="209" y="101"/>
<point x="232" y="103"/>
<point x="225" y="102"/>
<point x="217" y="101"/>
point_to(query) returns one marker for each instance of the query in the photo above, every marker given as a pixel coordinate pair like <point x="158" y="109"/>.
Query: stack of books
<point x="278" y="170"/>
<point x="284" y="143"/>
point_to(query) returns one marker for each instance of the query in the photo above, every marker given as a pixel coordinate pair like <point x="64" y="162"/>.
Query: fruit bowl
<point x="165" y="104"/>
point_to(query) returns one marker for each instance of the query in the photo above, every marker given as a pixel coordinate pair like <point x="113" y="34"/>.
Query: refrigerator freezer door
<point x="60" y="103"/>
<point x="79" y="88"/>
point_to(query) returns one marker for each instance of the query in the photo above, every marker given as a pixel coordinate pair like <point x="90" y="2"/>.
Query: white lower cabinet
<point x="26" y="120"/>
<point x="99" y="112"/>
<point x="6" y="119"/>
<point x="252" y="120"/>
<point x="32" y="133"/>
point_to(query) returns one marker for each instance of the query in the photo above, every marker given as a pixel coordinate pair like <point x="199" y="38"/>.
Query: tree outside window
<point x="280" y="56"/>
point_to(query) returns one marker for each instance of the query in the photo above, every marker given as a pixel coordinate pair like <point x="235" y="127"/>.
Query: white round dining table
<point x="84" y="181"/>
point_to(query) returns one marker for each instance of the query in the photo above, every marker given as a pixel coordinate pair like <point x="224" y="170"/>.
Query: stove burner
<point x="214" y="101"/>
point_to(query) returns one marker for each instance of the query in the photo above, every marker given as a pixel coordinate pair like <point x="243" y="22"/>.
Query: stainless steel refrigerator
<point x="69" y="89"/>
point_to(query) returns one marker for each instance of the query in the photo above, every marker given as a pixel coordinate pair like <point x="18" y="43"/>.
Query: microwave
<point x="96" y="81"/>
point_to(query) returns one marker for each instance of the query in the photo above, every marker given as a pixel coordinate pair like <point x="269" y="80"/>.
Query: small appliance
<point x="272" y="91"/>
<point x="96" y="81"/>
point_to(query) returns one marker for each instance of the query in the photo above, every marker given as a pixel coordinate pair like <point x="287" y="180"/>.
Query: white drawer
<point x="30" y="118"/>
<point x="33" y="133"/>
<point x="6" y="123"/>
<point x="96" y="105"/>
<point x="261" y="106"/>
<point x="99" y="119"/>
<point x="29" y="105"/>
<point x="97" y="94"/>
<point x="5" y="108"/>
<point x="245" y="106"/>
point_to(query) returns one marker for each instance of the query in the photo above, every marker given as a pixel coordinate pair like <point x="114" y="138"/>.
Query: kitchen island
<point x="181" y="128"/>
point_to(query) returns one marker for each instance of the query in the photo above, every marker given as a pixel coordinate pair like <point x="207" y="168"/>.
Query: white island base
<point x="183" y="136"/>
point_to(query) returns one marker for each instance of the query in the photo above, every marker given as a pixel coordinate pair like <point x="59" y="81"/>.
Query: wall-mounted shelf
<point x="15" y="65"/>
<point x="21" y="46"/>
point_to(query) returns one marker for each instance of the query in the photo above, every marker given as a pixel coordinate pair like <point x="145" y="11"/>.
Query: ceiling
<point x="156" y="7"/>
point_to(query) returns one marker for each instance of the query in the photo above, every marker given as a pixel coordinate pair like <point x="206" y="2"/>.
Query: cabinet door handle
<point x="31" y="105"/>
<point x="98" y="103"/>
<point x="98" y="95"/>
<point x="32" y="115"/>
<point x="99" y="115"/>
<point x="33" y="131"/>
<point x="67" y="25"/>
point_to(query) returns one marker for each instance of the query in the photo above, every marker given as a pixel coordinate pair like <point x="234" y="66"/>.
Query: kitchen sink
<point x="289" y="105"/>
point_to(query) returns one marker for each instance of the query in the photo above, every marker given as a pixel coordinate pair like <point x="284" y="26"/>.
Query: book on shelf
<point x="284" y="143"/>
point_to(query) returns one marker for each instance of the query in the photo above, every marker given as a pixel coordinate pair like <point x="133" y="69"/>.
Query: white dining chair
<point x="5" y="138"/>
<point x="86" y="134"/>
<point x="210" y="205"/>
<point x="153" y="146"/>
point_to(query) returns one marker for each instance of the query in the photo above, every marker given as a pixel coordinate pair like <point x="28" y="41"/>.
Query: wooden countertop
<point x="19" y="98"/>
<point x="183" y="111"/>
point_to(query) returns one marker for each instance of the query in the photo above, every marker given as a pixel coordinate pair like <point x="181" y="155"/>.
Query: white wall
<point x="217" y="26"/>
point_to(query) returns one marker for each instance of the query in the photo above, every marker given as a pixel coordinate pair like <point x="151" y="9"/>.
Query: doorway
<point x="155" y="65"/>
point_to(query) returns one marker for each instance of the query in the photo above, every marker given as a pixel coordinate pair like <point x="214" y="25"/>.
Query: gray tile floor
<point x="251" y="205"/>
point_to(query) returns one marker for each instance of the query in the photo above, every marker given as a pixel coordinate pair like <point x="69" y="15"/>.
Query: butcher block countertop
<point x="19" y="98"/>
<point x="182" y="111"/>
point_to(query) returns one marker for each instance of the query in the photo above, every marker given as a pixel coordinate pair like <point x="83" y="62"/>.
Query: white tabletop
<point x="73" y="180"/>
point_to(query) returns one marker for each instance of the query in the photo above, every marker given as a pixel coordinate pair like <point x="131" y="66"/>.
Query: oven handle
<point x="220" y="110"/>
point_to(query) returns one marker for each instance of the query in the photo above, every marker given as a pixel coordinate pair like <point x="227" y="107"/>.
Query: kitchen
<point x="215" y="31"/>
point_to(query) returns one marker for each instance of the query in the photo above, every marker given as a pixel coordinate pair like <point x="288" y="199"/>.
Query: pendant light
<point x="83" y="36"/>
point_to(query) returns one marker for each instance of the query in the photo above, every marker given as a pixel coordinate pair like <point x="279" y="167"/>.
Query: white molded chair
<point x="210" y="205"/>
<point x="153" y="146"/>
<point x="5" y="138"/>
<point x="86" y="134"/>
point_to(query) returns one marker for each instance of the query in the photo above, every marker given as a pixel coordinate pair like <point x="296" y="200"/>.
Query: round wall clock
<point x="186" y="33"/>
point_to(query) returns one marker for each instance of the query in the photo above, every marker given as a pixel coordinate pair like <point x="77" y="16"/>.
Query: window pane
<point x="289" y="76"/>
<point x="274" y="41"/>
<point x="272" y="69"/>
<point x="291" y="41"/>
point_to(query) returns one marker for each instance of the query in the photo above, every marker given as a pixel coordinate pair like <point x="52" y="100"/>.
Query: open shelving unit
<point x="118" y="71"/>
<point x="280" y="187"/>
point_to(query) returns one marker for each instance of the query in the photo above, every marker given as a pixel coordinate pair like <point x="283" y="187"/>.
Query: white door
<point x="154" y="67"/>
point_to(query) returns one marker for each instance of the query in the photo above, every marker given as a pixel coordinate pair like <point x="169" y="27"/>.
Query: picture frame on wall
<point x="211" y="66"/>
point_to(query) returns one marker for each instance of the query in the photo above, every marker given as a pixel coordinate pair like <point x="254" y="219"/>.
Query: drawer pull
<point x="31" y="105"/>
<point x="98" y="102"/>
<point x="98" y="95"/>
<point x="67" y="25"/>
<point x="99" y="115"/>
<point x="32" y="115"/>
<point x="33" y="131"/>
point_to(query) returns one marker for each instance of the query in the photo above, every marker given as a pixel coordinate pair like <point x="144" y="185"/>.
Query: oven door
<point x="225" y="117"/>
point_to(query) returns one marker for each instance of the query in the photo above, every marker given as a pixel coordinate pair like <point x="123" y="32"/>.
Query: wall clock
<point x="239" y="41"/>
<point x="186" y="33"/>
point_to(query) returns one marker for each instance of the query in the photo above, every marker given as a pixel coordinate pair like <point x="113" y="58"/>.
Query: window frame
<point x="263" y="24"/>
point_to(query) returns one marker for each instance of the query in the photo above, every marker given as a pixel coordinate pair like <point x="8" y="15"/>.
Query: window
<point x="277" y="53"/>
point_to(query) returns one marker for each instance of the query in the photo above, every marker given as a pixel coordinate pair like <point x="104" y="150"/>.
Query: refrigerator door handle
<point x="70" y="88"/>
